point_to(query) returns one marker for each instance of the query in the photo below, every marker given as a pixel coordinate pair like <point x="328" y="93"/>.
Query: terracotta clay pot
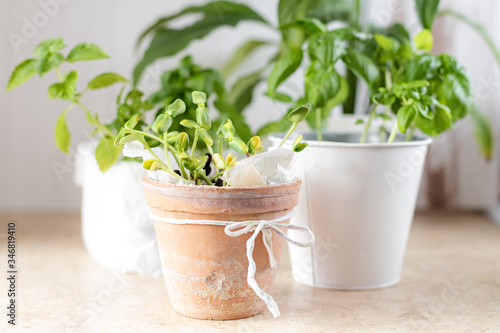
<point x="205" y="270"/>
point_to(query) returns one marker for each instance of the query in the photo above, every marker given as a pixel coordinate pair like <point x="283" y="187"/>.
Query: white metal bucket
<point x="359" y="200"/>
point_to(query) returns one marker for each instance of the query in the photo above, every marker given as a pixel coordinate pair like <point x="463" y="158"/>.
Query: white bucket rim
<point x="416" y="142"/>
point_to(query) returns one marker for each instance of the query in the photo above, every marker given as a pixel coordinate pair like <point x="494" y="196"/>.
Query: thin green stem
<point x="165" y="168"/>
<point x="152" y="136"/>
<point x="203" y="176"/>
<point x="167" y="157"/>
<point x="220" y="147"/>
<point x="409" y="136"/>
<point x="217" y="176"/>
<point x="319" y="131"/>
<point x="162" y="165"/>
<point x="368" y="124"/>
<point x="388" y="80"/>
<point x="356" y="17"/>
<point x="383" y="135"/>
<point x="290" y="131"/>
<point x="101" y="126"/>
<point x="181" y="167"/>
<point x="195" y="141"/>
<point x="59" y="75"/>
<point x="393" y="133"/>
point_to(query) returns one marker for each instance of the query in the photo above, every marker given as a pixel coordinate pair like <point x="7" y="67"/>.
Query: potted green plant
<point x="116" y="228"/>
<point x="369" y="203"/>
<point x="204" y="205"/>
<point x="394" y="69"/>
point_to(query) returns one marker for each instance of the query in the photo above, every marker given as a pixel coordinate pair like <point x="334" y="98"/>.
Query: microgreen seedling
<point x="193" y="163"/>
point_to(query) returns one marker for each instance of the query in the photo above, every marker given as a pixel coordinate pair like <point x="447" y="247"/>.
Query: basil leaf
<point x="423" y="40"/>
<point x="364" y="67"/>
<point x="106" y="154"/>
<point x="168" y="42"/>
<point x="326" y="48"/>
<point x="86" y="52"/>
<point x="105" y="80"/>
<point x="426" y="10"/>
<point x="284" y="67"/>
<point x="66" y="89"/>
<point x="23" y="72"/>
<point x="406" y="115"/>
<point x="62" y="135"/>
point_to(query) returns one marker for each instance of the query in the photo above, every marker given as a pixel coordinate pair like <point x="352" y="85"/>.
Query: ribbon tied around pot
<point x="235" y="229"/>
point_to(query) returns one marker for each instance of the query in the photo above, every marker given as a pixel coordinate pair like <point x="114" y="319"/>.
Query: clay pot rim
<point x="212" y="189"/>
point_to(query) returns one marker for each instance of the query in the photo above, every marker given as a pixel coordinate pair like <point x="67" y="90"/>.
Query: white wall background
<point x="29" y="160"/>
<point x="28" y="156"/>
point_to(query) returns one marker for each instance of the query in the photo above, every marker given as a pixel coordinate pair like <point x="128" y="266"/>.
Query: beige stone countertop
<point x="450" y="283"/>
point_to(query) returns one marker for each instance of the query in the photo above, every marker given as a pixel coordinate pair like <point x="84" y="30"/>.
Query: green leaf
<point x="385" y="98"/>
<point x="86" y="52"/>
<point x="284" y="67"/>
<point x="254" y="145"/>
<point x="339" y="98"/>
<point x="23" y="72"/>
<point x="62" y="135"/>
<point x="241" y="54"/>
<point x="105" y="80"/>
<point x="406" y="115"/>
<point x="182" y="142"/>
<point x="320" y="84"/>
<point x="241" y="93"/>
<point x="176" y="108"/>
<point x="396" y="31"/>
<point x="423" y="40"/>
<point x="364" y="67"/>
<point x="172" y="137"/>
<point x="189" y="123"/>
<point x="226" y="130"/>
<point x="334" y="10"/>
<point x="291" y="10"/>
<point x="381" y="116"/>
<point x="238" y="146"/>
<point x="326" y="48"/>
<point x="483" y="133"/>
<point x="274" y="127"/>
<point x="205" y="137"/>
<point x="167" y="41"/>
<point x="442" y="120"/>
<point x="299" y="114"/>
<point x="426" y="10"/>
<point x="132" y="122"/>
<point x="300" y="147"/>
<point x="199" y="97"/>
<point x="203" y="117"/>
<point x="240" y="124"/>
<point x="48" y="47"/>
<point x="66" y="89"/>
<point x="193" y="164"/>
<point x="310" y="25"/>
<point x="162" y="123"/>
<point x="384" y="42"/>
<point x="282" y="97"/>
<point x="48" y="63"/>
<point x="106" y="154"/>
<point x="219" y="161"/>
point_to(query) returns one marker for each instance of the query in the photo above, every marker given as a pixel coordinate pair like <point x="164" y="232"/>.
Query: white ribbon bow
<point x="235" y="229"/>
